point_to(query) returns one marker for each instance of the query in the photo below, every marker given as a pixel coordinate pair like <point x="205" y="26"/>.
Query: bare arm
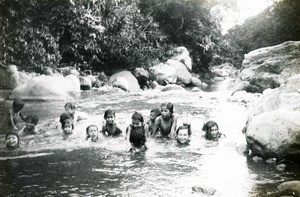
<point x="12" y="119"/>
<point x="156" y="125"/>
<point x="174" y="125"/>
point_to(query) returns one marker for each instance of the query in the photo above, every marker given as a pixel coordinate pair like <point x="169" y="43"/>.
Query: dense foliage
<point x="275" y="25"/>
<point x="103" y="35"/>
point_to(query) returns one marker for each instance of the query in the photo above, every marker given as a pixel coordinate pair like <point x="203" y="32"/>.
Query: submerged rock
<point x="204" y="190"/>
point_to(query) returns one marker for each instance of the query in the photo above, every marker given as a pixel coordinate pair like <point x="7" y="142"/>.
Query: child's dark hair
<point x="137" y="116"/>
<point x="156" y="111"/>
<point x="169" y="106"/>
<point x="30" y="118"/>
<point x="67" y="122"/>
<point x="87" y="129"/>
<point x="70" y="105"/>
<point x="64" y="116"/>
<point x="207" y="128"/>
<point x="12" y="133"/>
<point x="109" y="112"/>
<point x="18" y="105"/>
<point x="208" y="125"/>
<point x="186" y="126"/>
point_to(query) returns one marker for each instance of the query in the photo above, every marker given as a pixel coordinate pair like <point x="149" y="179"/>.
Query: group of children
<point x="162" y="123"/>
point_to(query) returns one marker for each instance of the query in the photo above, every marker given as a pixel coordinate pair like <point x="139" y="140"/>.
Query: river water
<point x="47" y="165"/>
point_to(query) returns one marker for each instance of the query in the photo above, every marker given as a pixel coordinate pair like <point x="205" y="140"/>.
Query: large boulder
<point x="48" y="88"/>
<point x="289" y="188"/>
<point x="224" y="70"/>
<point x="273" y="126"/>
<point x="182" y="73"/>
<point x="163" y="74"/>
<point x="269" y="67"/>
<point x="125" y="80"/>
<point x="10" y="77"/>
<point x="182" y="55"/>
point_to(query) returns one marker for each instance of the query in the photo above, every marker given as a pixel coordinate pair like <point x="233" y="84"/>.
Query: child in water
<point x="67" y="127"/>
<point x="110" y="128"/>
<point x="31" y="121"/>
<point x="166" y="123"/>
<point x="15" y="114"/>
<point x="183" y="134"/>
<point x="12" y="140"/>
<point x="137" y="132"/>
<point x="92" y="133"/>
<point x="70" y="108"/>
<point x="154" y="113"/>
<point x="211" y="129"/>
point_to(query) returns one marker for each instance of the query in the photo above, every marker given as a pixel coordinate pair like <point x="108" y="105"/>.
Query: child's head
<point x="137" y="119"/>
<point x="31" y="120"/>
<point x="67" y="126"/>
<point x="109" y="116"/>
<point x="183" y="134"/>
<point x="18" y="105"/>
<point x="212" y="130"/>
<point x="65" y="116"/>
<point x="154" y="113"/>
<point x="12" y="140"/>
<point x="70" y="107"/>
<point x="167" y="110"/>
<point x="92" y="133"/>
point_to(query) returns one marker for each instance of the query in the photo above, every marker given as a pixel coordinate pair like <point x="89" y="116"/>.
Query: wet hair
<point x="70" y="105"/>
<point x="67" y="122"/>
<point x="156" y="111"/>
<point x="65" y="116"/>
<point x="18" y="105"/>
<point x="188" y="127"/>
<point x="207" y="128"/>
<point x="169" y="106"/>
<point x="87" y="129"/>
<point x="109" y="112"/>
<point x="137" y="116"/>
<point x="12" y="133"/>
<point x="30" y="118"/>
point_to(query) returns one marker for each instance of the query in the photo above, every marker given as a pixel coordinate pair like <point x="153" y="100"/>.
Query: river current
<point x="47" y="165"/>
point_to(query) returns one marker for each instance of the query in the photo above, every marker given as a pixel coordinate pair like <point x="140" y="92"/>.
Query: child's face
<point x="30" y="126"/>
<point x="12" y="141"/>
<point x="69" y="110"/>
<point x="110" y="119"/>
<point x="152" y="116"/>
<point x="67" y="129"/>
<point x="136" y="123"/>
<point x="165" y="112"/>
<point x="183" y="136"/>
<point x="93" y="133"/>
<point x="214" y="131"/>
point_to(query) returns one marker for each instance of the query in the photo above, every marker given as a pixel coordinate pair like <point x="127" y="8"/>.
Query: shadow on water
<point x="47" y="165"/>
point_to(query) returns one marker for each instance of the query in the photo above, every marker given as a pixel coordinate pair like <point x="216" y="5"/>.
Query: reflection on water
<point x="46" y="165"/>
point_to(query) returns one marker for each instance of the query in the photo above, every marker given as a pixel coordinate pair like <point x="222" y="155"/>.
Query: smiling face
<point x="93" y="133"/>
<point x="110" y="119"/>
<point x="12" y="141"/>
<point x="183" y="136"/>
<point x="152" y="116"/>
